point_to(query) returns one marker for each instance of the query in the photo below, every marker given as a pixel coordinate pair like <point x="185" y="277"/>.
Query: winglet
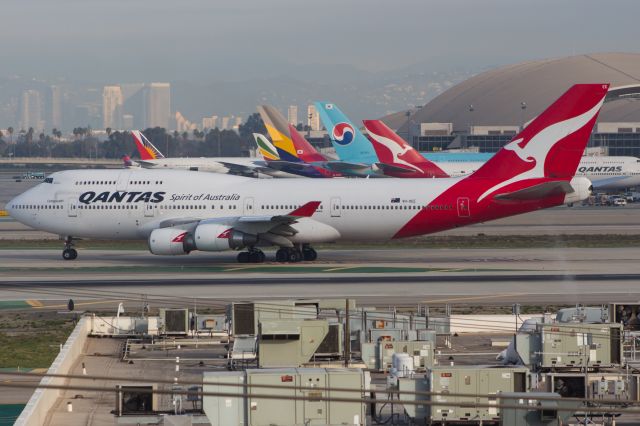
<point x="306" y="210"/>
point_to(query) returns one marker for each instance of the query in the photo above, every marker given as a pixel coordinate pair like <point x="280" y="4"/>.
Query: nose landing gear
<point x="69" y="253"/>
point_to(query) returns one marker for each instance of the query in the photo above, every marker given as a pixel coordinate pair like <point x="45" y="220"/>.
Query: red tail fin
<point x="392" y="149"/>
<point x="552" y="144"/>
<point x="306" y="152"/>
<point x="555" y="140"/>
<point x="145" y="148"/>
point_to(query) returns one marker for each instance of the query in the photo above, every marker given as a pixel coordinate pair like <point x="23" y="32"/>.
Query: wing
<point x="245" y="169"/>
<point x="275" y="229"/>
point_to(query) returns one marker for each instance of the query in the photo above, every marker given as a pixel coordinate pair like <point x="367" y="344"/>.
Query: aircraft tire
<point x="243" y="257"/>
<point x="256" y="256"/>
<point x="69" y="254"/>
<point x="309" y="254"/>
<point x="282" y="255"/>
<point x="295" y="256"/>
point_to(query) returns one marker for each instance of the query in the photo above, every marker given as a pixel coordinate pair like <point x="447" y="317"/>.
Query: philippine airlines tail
<point x="397" y="157"/>
<point x="145" y="148"/>
<point x="349" y="142"/>
<point x="549" y="148"/>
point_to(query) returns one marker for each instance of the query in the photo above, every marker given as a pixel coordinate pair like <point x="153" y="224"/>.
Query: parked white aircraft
<point x="603" y="171"/>
<point x="152" y="158"/>
<point x="181" y="211"/>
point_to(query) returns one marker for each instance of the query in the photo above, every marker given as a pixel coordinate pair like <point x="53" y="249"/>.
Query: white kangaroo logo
<point x="538" y="148"/>
<point x="396" y="150"/>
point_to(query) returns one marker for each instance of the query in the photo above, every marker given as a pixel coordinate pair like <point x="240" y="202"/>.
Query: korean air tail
<point x="349" y="142"/>
<point x="397" y="157"/>
<point x="266" y="150"/>
<point x="145" y="148"/>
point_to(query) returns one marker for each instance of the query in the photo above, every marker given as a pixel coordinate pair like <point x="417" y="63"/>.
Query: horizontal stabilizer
<point x="289" y="165"/>
<point x="344" y="166"/>
<point x="536" y="192"/>
<point x="395" y="168"/>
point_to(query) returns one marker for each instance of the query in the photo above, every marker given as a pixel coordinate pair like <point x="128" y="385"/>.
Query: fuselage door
<point x="335" y="207"/>
<point x="248" y="206"/>
<point x="72" y="206"/>
<point x="463" y="207"/>
<point x="149" y="209"/>
<point x="123" y="180"/>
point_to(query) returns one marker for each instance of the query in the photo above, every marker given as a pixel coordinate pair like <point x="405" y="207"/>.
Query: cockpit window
<point x="48" y="180"/>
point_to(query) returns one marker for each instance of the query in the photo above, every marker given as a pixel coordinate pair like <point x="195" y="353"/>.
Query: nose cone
<point x="10" y="207"/>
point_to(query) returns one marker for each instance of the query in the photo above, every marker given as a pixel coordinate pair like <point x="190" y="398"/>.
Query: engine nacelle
<point x="582" y="188"/>
<point x="167" y="241"/>
<point x="312" y="231"/>
<point x="216" y="237"/>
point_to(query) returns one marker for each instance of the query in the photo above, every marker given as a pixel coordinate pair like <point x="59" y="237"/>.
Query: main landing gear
<point x="284" y="254"/>
<point x="254" y="255"/>
<point x="295" y="254"/>
<point x="69" y="253"/>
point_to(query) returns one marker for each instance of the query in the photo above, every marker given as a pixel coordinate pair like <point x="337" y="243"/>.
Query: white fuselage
<point x="604" y="172"/>
<point x="215" y="165"/>
<point x="362" y="209"/>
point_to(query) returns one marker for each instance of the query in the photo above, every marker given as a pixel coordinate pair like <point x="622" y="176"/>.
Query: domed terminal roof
<point x="497" y="97"/>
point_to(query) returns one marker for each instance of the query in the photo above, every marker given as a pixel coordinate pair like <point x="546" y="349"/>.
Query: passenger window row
<point x="109" y="207"/>
<point x="37" y="207"/>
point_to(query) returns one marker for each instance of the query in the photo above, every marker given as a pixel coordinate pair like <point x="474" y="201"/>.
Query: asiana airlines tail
<point x="180" y="211"/>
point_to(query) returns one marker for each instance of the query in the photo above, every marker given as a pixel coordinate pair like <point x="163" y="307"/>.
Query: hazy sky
<point x="204" y="40"/>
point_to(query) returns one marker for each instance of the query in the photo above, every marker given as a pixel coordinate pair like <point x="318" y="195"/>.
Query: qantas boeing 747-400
<point x="181" y="211"/>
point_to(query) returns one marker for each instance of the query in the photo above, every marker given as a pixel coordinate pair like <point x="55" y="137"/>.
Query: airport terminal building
<point x="484" y="112"/>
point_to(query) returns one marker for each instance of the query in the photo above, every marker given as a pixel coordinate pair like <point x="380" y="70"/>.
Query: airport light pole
<point x="523" y="108"/>
<point x="471" y="109"/>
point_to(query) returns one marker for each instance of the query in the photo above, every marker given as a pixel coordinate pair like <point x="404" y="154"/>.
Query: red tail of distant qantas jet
<point x="533" y="171"/>
<point x="397" y="157"/>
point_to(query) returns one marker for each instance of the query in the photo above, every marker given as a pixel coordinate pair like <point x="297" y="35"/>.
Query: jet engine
<point x="167" y="241"/>
<point x="216" y="237"/>
<point x="582" y="188"/>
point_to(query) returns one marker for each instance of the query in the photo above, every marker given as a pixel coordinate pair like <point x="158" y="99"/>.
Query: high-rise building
<point x="55" y="108"/>
<point x="292" y="115"/>
<point x="225" y="123"/>
<point x="157" y="105"/>
<point x="31" y="110"/>
<point x="237" y="121"/>
<point x="313" y="118"/>
<point x="184" y="125"/>
<point x="133" y="103"/>
<point x="112" y="107"/>
<point x="210" y="122"/>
